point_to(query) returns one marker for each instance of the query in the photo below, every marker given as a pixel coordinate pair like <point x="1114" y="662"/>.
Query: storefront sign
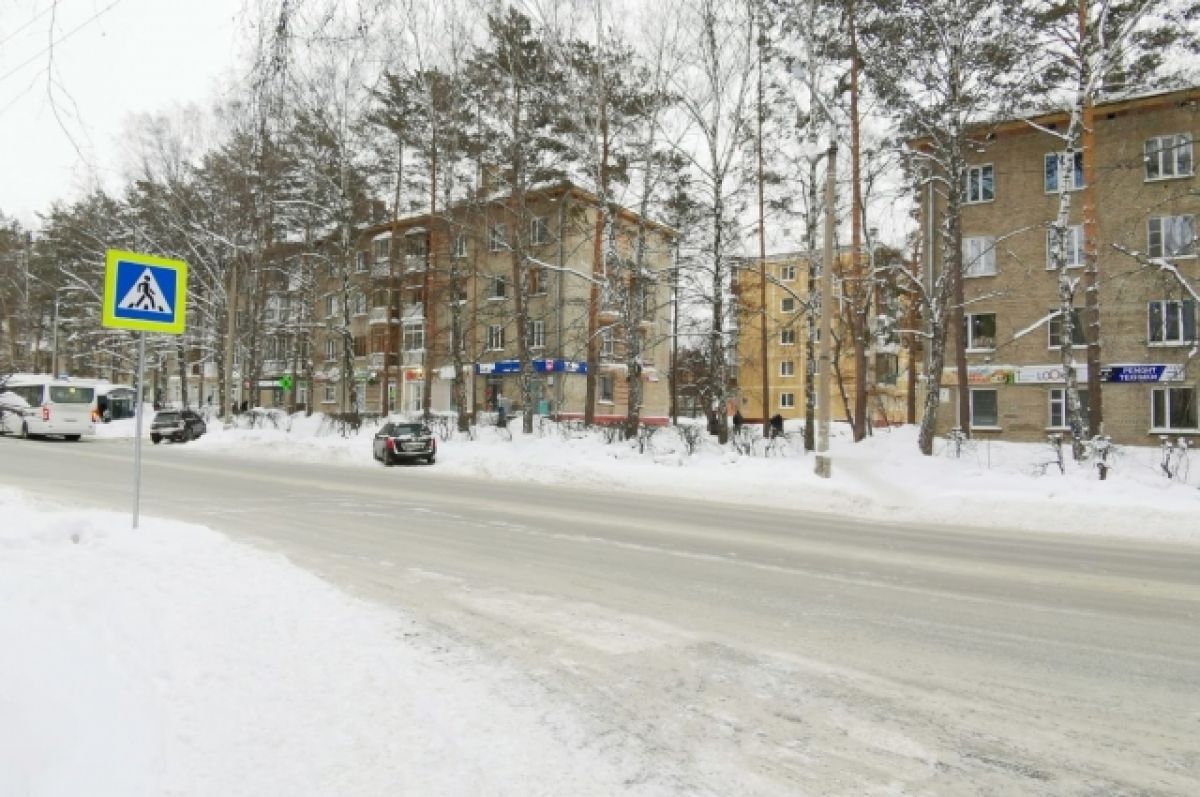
<point x="1142" y="373"/>
<point x="541" y="366"/>
<point x="982" y="375"/>
<point x="1048" y="374"/>
<point x="559" y="367"/>
<point x="499" y="367"/>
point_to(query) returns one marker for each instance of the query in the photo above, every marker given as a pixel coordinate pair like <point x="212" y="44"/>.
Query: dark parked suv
<point x="398" y="440"/>
<point x="177" y="425"/>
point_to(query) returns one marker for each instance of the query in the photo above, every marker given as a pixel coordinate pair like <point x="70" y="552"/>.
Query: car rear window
<point x="408" y="428"/>
<point x="61" y="394"/>
<point x="169" y="417"/>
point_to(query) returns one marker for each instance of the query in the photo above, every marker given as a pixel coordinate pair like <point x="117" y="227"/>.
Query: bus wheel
<point x="71" y="438"/>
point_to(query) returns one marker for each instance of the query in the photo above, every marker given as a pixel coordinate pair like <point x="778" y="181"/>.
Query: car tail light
<point x="433" y="444"/>
<point x="95" y="416"/>
<point x="45" y="412"/>
<point x="391" y="444"/>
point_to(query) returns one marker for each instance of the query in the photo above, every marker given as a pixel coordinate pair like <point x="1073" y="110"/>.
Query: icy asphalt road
<point x="739" y="650"/>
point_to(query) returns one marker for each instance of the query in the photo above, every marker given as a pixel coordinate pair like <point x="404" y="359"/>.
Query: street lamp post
<point x="54" y="344"/>
<point x="54" y="339"/>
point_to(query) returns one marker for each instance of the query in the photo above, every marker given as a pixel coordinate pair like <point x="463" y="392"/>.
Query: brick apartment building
<point x="1146" y="199"/>
<point x="420" y="266"/>
<point x="786" y="299"/>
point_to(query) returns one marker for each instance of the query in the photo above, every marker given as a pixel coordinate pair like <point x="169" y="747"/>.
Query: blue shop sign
<point x="499" y="367"/>
<point x="1141" y="373"/>
<point x="541" y="366"/>
<point x="559" y="367"/>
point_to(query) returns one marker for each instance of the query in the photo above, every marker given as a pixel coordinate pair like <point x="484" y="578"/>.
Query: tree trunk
<point x="855" y="292"/>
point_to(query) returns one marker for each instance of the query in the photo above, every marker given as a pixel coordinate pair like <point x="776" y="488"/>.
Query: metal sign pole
<point x="137" y="435"/>
<point x="143" y="293"/>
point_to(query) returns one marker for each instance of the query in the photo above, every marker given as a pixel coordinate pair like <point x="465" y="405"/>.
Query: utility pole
<point x="762" y="252"/>
<point x="230" y="332"/>
<point x="824" y="463"/>
<point x="385" y="399"/>
<point x="54" y="346"/>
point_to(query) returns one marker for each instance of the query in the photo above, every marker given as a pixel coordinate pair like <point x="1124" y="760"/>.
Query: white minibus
<point x="47" y="405"/>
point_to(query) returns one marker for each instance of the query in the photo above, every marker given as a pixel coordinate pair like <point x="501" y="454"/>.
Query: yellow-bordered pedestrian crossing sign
<point x="144" y="292"/>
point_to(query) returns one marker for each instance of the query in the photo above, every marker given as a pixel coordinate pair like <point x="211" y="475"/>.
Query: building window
<point x="1169" y="156"/>
<point x="1173" y="409"/>
<point x="1058" y="407"/>
<point x="328" y="394"/>
<point x="604" y="386"/>
<point x="787" y="401"/>
<point x="360" y="262"/>
<point x="787" y="368"/>
<point x="535" y="334"/>
<point x="887" y="369"/>
<point x="413" y="336"/>
<point x="331" y="306"/>
<point x="537" y="280"/>
<point x="980" y="186"/>
<point x="360" y="303"/>
<point x="495" y="341"/>
<point x="499" y="287"/>
<point x="1172" y="236"/>
<point x="414" y="300"/>
<point x="787" y="305"/>
<point x="608" y="346"/>
<point x="539" y="230"/>
<point x="984" y="409"/>
<point x="787" y="273"/>
<point x="1054" y="329"/>
<point x="1074" y="246"/>
<point x="1074" y="177"/>
<point x="331" y="350"/>
<point x="497" y="235"/>
<point x="1172" y="322"/>
<point x="787" y="337"/>
<point x="648" y="299"/>
<point x="459" y="247"/>
<point x="980" y="331"/>
<point x="979" y="256"/>
<point x="381" y="249"/>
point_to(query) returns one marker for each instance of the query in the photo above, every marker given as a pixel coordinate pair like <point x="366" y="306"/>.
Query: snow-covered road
<point x="677" y="647"/>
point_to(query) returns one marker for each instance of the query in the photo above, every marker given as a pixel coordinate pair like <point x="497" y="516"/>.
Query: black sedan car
<point x="397" y="440"/>
<point x="177" y="425"/>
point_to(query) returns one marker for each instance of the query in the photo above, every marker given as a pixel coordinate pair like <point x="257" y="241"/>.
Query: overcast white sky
<point x="62" y="108"/>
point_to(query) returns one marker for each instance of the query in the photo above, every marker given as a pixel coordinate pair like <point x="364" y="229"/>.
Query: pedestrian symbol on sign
<point x="145" y="294"/>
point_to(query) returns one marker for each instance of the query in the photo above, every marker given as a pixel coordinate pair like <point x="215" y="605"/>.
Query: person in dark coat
<point x="738" y="420"/>
<point x="776" y="425"/>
